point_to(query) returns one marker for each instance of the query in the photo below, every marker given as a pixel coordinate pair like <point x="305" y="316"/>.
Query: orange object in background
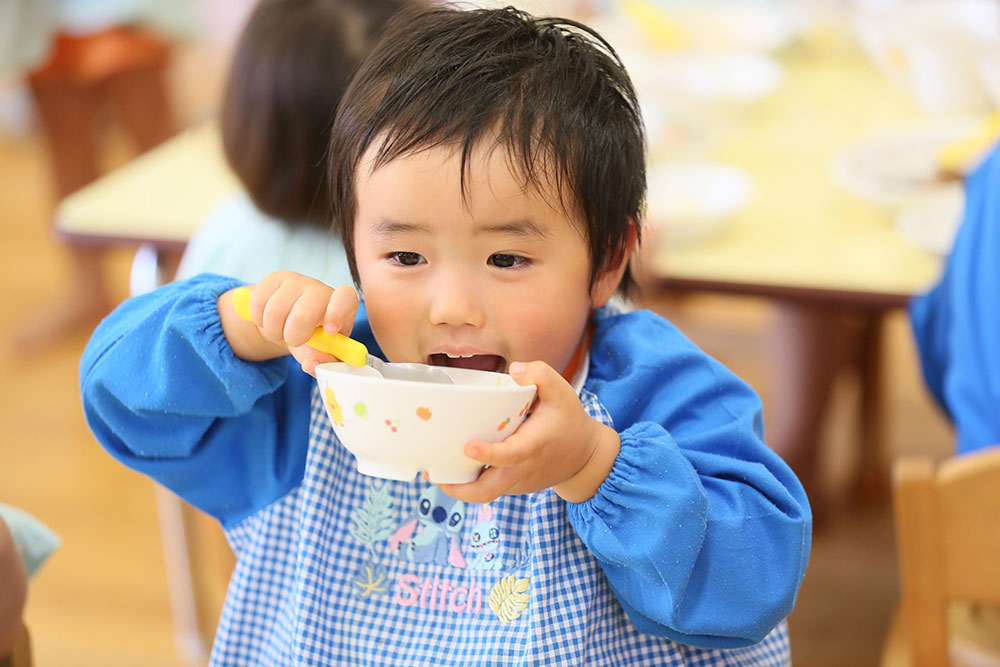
<point x="87" y="60"/>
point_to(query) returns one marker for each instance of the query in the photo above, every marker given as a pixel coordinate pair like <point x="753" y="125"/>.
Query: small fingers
<point x="288" y="306"/>
<point x="492" y="484"/>
<point x="270" y="303"/>
<point x="341" y="308"/>
<point x="259" y="297"/>
<point x="544" y="377"/>
<point x="309" y="358"/>
<point x="306" y="313"/>
<point x="512" y="451"/>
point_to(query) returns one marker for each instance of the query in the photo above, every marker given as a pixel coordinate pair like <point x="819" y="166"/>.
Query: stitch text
<point x="439" y="594"/>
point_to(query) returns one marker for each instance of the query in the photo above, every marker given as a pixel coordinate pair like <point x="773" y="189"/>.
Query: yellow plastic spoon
<point x="351" y="351"/>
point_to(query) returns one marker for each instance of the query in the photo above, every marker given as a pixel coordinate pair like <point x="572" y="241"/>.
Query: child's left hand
<point x="560" y="446"/>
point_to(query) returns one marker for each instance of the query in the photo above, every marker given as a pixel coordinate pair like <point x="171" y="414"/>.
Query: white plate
<point x="897" y="167"/>
<point x="702" y="75"/>
<point x="729" y="25"/>
<point x="737" y="25"/>
<point x="931" y="224"/>
<point x="690" y="201"/>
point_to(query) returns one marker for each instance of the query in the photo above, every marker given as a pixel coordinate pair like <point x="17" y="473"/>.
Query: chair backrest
<point x="20" y="655"/>
<point x="948" y="540"/>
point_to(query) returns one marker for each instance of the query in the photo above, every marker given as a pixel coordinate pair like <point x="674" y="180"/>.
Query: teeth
<point x="459" y="356"/>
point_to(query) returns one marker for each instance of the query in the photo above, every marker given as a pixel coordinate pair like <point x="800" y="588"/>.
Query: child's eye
<point x="404" y="258"/>
<point x="505" y="261"/>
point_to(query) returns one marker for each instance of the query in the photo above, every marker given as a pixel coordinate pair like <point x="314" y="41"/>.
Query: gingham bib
<point x="351" y="570"/>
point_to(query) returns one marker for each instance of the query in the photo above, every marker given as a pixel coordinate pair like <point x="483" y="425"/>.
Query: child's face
<point x="500" y="276"/>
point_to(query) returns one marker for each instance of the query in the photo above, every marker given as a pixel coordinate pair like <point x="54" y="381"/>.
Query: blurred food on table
<point x="690" y="201"/>
<point x="946" y="53"/>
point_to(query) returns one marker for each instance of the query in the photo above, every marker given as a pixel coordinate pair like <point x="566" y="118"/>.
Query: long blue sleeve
<point x="956" y="325"/>
<point x="164" y="394"/>
<point x="703" y="532"/>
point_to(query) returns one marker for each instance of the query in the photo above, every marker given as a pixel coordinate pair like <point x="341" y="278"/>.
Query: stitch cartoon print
<point x="485" y="541"/>
<point x="440" y="519"/>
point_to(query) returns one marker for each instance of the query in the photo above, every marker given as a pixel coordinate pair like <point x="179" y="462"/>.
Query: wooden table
<point x="803" y="236"/>
<point x="820" y="253"/>
<point x="159" y="197"/>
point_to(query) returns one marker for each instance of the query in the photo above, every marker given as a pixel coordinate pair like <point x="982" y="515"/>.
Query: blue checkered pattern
<point x="308" y="592"/>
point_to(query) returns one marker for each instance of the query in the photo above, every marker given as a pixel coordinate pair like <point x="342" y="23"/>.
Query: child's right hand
<point x="286" y="307"/>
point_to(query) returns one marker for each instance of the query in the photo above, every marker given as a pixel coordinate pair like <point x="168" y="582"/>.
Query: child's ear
<point x="608" y="280"/>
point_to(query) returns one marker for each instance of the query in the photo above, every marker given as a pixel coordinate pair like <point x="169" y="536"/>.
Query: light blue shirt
<point x="238" y="240"/>
<point x="34" y="540"/>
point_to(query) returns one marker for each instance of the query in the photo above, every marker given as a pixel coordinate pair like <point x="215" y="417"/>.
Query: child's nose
<point x="456" y="301"/>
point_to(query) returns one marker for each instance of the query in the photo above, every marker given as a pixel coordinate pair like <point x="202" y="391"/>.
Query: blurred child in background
<point x="292" y="63"/>
<point x="957" y="323"/>
<point x="957" y="330"/>
<point x="13" y="591"/>
<point x="25" y="544"/>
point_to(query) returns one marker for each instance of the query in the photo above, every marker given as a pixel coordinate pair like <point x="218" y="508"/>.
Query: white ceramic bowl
<point x="717" y="76"/>
<point x="932" y="48"/>
<point x="899" y="166"/>
<point x="397" y="428"/>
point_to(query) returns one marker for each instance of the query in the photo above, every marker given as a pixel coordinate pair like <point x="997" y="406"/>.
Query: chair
<point x="948" y="547"/>
<point x="20" y="655"/>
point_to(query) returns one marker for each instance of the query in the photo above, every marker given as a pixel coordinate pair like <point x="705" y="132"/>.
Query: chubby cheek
<point x="391" y="323"/>
<point x="544" y="334"/>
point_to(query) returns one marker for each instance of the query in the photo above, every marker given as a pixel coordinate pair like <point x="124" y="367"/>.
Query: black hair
<point x="551" y="91"/>
<point x="291" y="65"/>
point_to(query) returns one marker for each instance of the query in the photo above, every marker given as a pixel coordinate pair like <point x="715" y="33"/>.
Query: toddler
<point x="487" y="177"/>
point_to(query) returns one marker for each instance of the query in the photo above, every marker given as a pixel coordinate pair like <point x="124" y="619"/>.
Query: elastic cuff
<point x="247" y="379"/>
<point x="636" y="460"/>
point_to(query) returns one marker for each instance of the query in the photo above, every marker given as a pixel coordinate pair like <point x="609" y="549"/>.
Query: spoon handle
<point x="344" y="348"/>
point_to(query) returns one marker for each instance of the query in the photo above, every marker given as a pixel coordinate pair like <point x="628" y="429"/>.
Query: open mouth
<point x="476" y="362"/>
